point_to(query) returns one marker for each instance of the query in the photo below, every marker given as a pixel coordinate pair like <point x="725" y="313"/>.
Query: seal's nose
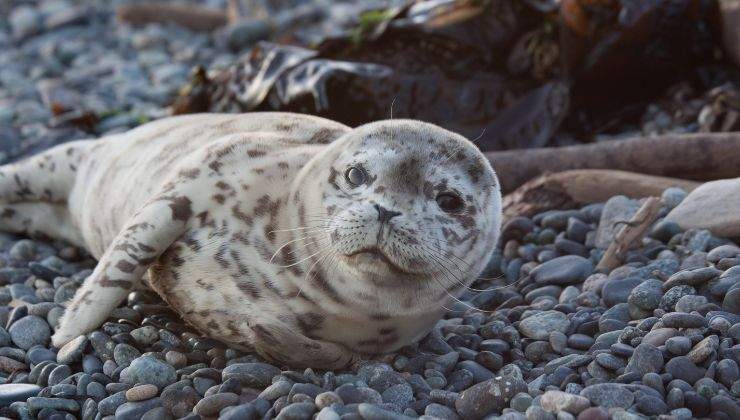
<point x="384" y="214"/>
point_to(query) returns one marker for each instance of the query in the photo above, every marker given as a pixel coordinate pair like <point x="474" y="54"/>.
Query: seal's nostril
<point x="384" y="214"/>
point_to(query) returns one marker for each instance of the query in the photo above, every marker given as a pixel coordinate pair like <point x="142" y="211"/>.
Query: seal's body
<point x="296" y="236"/>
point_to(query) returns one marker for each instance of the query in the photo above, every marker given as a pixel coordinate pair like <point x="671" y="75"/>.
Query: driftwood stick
<point x="570" y="189"/>
<point x="704" y="156"/>
<point x="190" y="16"/>
<point x="629" y="233"/>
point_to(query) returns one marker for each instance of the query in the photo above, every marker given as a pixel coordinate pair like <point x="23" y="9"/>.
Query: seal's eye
<point x="449" y="202"/>
<point x="355" y="176"/>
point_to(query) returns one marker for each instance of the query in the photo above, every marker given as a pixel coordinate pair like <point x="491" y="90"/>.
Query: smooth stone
<point x="564" y="270"/>
<point x="647" y="294"/>
<point x="562" y="401"/>
<point x="703" y="349"/>
<point x="713" y="206"/>
<point x="30" y="331"/>
<point x="72" y="351"/>
<point x="659" y="336"/>
<point x="367" y="412"/>
<point x="10" y="393"/>
<point x="211" y="405"/>
<point x="608" y="395"/>
<point x="678" y="345"/>
<point x="135" y="410"/>
<point x="150" y="370"/>
<point x="646" y="358"/>
<point x="690" y="303"/>
<point x="617" y="291"/>
<point x="253" y="375"/>
<point x="691" y="277"/>
<point x="63" y="404"/>
<point x="485" y="397"/>
<point x="539" y="325"/>
<point x="683" y="320"/>
<point x="141" y="392"/>
<point x="681" y="367"/>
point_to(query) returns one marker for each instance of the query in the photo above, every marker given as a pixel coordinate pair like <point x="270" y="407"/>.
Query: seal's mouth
<point x="376" y="255"/>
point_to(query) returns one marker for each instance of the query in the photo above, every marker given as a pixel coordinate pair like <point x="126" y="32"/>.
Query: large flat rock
<point x="713" y="206"/>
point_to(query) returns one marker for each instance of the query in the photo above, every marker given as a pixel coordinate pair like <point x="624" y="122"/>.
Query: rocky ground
<point x="656" y="337"/>
<point x="60" y="55"/>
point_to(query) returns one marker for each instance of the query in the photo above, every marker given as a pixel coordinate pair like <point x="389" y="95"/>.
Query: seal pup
<point x="294" y="236"/>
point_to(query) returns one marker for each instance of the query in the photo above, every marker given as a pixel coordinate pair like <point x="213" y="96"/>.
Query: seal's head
<point x="410" y="212"/>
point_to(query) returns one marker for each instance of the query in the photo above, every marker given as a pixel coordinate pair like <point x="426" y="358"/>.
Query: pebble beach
<point x="545" y="335"/>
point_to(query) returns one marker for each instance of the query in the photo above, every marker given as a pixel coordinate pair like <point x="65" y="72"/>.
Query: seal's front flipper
<point x="142" y="240"/>
<point x="277" y="342"/>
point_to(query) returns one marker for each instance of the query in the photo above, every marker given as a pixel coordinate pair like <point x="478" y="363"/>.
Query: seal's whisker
<point x="305" y="279"/>
<point x="460" y="301"/>
<point x="458" y="280"/>
<point x="272" y="259"/>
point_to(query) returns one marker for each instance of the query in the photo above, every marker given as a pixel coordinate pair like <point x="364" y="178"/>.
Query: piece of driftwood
<point x="702" y="156"/>
<point x="190" y="16"/>
<point x="571" y="189"/>
<point x="730" y="10"/>
<point x="629" y="232"/>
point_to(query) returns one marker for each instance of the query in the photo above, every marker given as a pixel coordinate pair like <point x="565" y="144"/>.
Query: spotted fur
<point x="248" y="226"/>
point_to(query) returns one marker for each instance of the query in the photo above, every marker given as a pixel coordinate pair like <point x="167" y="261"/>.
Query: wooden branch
<point x="704" y="156"/>
<point x="629" y="233"/>
<point x="570" y="189"/>
<point x="731" y="28"/>
<point x="189" y="16"/>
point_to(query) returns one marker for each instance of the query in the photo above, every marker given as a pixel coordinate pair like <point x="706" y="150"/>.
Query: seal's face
<point x="410" y="201"/>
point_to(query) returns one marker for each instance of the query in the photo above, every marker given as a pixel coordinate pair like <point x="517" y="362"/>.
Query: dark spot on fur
<point x="181" y="208"/>
<point x="219" y="198"/>
<point x="125" y="266"/>
<point x="249" y="289"/>
<point x="190" y="173"/>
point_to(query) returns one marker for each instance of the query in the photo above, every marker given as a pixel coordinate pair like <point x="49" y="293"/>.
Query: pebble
<point x="141" y="392"/>
<point x="646" y="358"/>
<point x="211" y="405"/>
<point x="485" y="397"/>
<point x="254" y="375"/>
<point x="608" y="395"/>
<point x="562" y="401"/>
<point x="682" y="367"/>
<point x="149" y="370"/>
<point x="30" y="331"/>
<point x="678" y="345"/>
<point x="72" y="351"/>
<point x="136" y="410"/>
<point x="564" y="270"/>
<point x="539" y="325"/>
<point x="683" y="320"/>
<point x="10" y="393"/>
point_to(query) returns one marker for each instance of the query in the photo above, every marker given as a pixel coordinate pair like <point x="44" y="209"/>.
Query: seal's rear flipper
<point x="142" y="240"/>
<point x="40" y="220"/>
<point x="48" y="176"/>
